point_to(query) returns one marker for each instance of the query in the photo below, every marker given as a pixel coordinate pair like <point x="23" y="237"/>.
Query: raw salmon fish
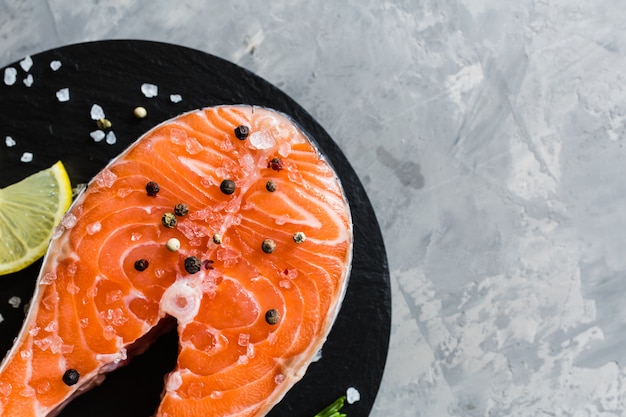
<point x="254" y="278"/>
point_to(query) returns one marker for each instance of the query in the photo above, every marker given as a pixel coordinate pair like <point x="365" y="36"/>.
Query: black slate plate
<point x="110" y="74"/>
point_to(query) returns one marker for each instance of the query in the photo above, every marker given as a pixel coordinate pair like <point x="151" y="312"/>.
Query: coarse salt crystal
<point x="192" y="146"/>
<point x="124" y="191"/>
<point x="10" y="142"/>
<point x="317" y="356"/>
<point x="28" y="81"/>
<point x="110" y="138"/>
<point x="106" y="178"/>
<point x="135" y="236"/>
<point x="216" y="394"/>
<point x="176" y="98"/>
<point x="48" y="278"/>
<point x="261" y="139"/>
<point x="6" y="388"/>
<point x="96" y="112"/>
<point x="53" y="326"/>
<point x="352" y="395"/>
<point x="244" y="339"/>
<point x="69" y="221"/>
<point x="73" y="288"/>
<point x="63" y="95"/>
<point x="26" y="63"/>
<point x="1" y="318"/>
<point x="26" y="157"/>
<point x="15" y="301"/>
<point x="55" y="65"/>
<point x="26" y="354"/>
<point x="243" y="359"/>
<point x="279" y="378"/>
<point x="10" y="76"/>
<point x="149" y="90"/>
<point x="283" y="283"/>
<point x="94" y="228"/>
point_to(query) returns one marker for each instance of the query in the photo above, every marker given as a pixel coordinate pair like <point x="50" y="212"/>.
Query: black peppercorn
<point x="70" y="377"/>
<point x="271" y="186"/>
<point x="241" y="132"/>
<point x="169" y="220"/>
<point x="192" y="265"/>
<point x="268" y="246"/>
<point x="272" y="316"/>
<point x="181" y="209"/>
<point x="227" y="186"/>
<point x="152" y="188"/>
<point x="141" y="265"/>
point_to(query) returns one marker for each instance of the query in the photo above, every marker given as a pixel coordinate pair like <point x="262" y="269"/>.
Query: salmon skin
<point x="226" y="220"/>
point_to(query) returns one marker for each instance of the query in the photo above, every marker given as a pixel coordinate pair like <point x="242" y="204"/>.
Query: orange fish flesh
<point x="226" y="220"/>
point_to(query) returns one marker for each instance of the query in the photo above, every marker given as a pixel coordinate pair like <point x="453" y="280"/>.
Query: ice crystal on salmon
<point x="251" y="315"/>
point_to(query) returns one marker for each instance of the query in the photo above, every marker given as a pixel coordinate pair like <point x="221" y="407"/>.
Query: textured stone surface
<point x="489" y="137"/>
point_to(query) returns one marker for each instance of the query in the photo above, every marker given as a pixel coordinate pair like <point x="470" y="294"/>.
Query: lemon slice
<point x="29" y="212"/>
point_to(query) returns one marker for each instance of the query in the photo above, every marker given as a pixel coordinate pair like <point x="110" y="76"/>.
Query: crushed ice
<point x="10" y="142"/>
<point x="96" y="112"/>
<point x="15" y="301"/>
<point x="149" y="90"/>
<point x="55" y="65"/>
<point x="26" y="63"/>
<point x="26" y="157"/>
<point x="176" y="98"/>
<point x="261" y="139"/>
<point x="10" y="76"/>
<point x="63" y="95"/>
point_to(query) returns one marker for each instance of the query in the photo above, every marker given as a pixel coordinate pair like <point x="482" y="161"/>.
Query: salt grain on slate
<point x="15" y="301"/>
<point x="111" y="139"/>
<point x="149" y="90"/>
<point x="26" y="63"/>
<point x="63" y="95"/>
<point x="96" y="112"/>
<point x="10" y="76"/>
<point x="10" y="142"/>
<point x="28" y="81"/>
<point x="26" y="157"/>
<point x="97" y="135"/>
<point x="55" y="65"/>
<point x="176" y="98"/>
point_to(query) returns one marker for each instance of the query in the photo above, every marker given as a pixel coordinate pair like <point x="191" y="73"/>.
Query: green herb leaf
<point x="333" y="409"/>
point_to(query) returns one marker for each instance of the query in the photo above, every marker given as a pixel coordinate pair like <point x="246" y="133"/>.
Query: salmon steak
<point x="226" y="222"/>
